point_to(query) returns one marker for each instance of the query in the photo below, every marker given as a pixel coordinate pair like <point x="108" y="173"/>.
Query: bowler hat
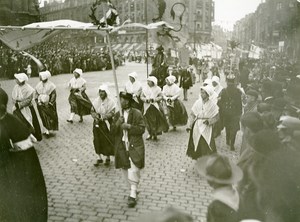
<point x="218" y="169"/>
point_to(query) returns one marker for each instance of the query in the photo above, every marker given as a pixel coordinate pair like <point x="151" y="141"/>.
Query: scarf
<point x="151" y="93"/>
<point x="203" y="111"/>
<point x="104" y="107"/>
<point x="76" y="83"/>
<point x="20" y="94"/>
<point x="44" y="90"/>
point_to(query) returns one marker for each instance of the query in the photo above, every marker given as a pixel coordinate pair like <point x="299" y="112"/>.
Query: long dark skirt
<point x="177" y="114"/>
<point x="49" y="116"/>
<point x="155" y="120"/>
<point x="80" y="104"/>
<point x="202" y="147"/>
<point x="103" y="142"/>
<point x="35" y="129"/>
<point x="22" y="188"/>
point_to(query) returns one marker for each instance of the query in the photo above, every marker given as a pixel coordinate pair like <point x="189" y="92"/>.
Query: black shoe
<point x="149" y="137"/>
<point x="107" y="162"/>
<point x="98" y="162"/>
<point x="69" y="121"/>
<point x="232" y="148"/>
<point x="131" y="202"/>
<point x="155" y="138"/>
<point x="174" y="128"/>
<point x="81" y="119"/>
<point x="48" y="135"/>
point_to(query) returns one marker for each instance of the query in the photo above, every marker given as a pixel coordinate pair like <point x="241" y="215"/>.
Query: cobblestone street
<point x="78" y="191"/>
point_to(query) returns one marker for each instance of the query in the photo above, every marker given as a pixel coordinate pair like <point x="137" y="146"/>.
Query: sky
<point x="227" y="12"/>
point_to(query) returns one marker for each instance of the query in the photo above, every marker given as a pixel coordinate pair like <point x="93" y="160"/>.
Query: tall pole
<point x="113" y="65"/>
<point x="195" y="34"/>
<point x="147" y="54"/>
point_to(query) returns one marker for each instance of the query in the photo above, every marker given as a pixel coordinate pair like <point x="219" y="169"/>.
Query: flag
<point x="111" y="17"/>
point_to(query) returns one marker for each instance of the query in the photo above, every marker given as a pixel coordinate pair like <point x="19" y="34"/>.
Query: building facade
<point x="19" y="12"/>
<point x="200" y="16"/>
<point x="274" y="25"/>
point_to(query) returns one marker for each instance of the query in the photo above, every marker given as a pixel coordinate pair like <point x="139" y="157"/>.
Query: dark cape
<point x="22" y="187"/>
<point x="80" y="104"/>
<point x="48" y="113"/>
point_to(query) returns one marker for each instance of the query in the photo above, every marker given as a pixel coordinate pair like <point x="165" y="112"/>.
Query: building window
<point x="279" y="6"/>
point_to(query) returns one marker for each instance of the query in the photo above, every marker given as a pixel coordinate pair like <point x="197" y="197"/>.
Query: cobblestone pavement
<point x="78" y="191"/>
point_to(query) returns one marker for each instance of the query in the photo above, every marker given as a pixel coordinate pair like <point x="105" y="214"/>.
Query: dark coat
<point x="136" y="143"/>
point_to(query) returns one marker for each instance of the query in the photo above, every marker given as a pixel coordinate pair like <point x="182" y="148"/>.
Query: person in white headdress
<point x="155" y="119"/>
<point x="134" y="87"/>
<point x="214" y="96"/>
<point x="45" y="97"/>
<point x="216" y="84"/>
<point x="176" y="111"/>
<point x="103" y="111"/>
<point x="22" y="96"/>
<point x="79" y="101"/>
<point x="204" y="114"/>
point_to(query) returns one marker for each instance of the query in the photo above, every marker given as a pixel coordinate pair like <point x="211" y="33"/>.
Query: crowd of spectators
<point x="58" y="57"/>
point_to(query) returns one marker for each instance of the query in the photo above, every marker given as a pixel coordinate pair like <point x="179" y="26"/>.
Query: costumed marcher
<point x="230" y="104"/>
<point x="134" y="87"/>
<point x="176" y="111"/>
<point x="22" y="186"/>
<point x="221" y="175"/>
<point x="155" y="119"/>
<point x="214" y="96"/>
<point x="159" y="67"/>
<point x="128" y="131"/>
<point x="185" y="82"/>
<point x="79" y="101"/>
<point x="22" y="96"/>
<point x="204" y="114"/>
<point x="45" y="97"/>
<point x="216" y="84"/>
<point x="103" y="111"/>
<point x="218" y="127"/>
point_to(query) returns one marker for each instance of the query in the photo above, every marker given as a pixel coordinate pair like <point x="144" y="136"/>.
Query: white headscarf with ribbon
<point x="133" y="88"/>
<point x="21" y="77"/>
<point x="44" y="89"/>
<point x="151" y="93"/>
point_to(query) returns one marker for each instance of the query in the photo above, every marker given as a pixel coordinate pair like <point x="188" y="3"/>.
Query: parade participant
<point x="204" y="114"/>
<point x="79" y="101"/>
<point x="159" y="67"/>
<point x="221" y="175"/>
<point x="45" y="98"/>
<point x="216" y="84"/>
<point x="155" y="119"/>
<point x="128" y="131"/>
<point x="134" y="87"/>
<point x="230" y="104"/>
<point x="185" y="82"/>
<point x="214" y="96"/>
<point x="22" y="187"/>
<point x="22" y="96"/>
<point x="103" y="111"/>
<point x="176" y="111"/>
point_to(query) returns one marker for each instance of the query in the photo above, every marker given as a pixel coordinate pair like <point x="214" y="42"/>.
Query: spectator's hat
<point x="21" y="77"/>
<point x="252" y="92"/>
<point x="218" y="169"/>
<point x="78" y="71"/>
<point x="289" y="122"/>
<point x="265" y="142"/>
